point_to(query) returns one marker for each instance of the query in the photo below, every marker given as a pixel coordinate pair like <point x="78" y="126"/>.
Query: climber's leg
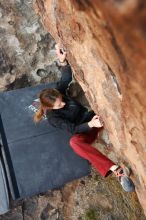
<point x="81" y="144"/>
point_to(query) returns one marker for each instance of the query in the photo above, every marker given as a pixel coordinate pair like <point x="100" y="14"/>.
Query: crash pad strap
<point x="9" y="161"/>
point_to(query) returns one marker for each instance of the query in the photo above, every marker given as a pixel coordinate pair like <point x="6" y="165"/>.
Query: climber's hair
<point x="47" y="99"/>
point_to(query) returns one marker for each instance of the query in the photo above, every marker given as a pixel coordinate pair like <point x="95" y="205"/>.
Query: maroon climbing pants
<point x="81" y="144"/>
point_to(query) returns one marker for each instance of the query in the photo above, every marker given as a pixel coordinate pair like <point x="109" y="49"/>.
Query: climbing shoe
<point x="124" y="179"/>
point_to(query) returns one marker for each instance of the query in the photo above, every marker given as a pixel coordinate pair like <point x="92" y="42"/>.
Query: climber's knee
<point x="74" y="140"/>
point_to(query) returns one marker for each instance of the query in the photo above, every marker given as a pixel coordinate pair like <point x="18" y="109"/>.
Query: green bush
<point x="91" y="215"/>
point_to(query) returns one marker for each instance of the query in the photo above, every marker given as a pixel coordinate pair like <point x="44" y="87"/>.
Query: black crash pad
<point x="33" y="164"/>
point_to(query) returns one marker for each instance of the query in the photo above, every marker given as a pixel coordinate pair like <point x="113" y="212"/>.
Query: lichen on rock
<point x="26" y="48"/>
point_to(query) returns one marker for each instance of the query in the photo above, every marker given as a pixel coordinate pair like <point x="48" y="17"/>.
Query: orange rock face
<point x="106" y="44"/>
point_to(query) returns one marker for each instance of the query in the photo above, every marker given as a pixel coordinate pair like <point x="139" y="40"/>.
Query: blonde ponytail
<point x="38" y="115"/>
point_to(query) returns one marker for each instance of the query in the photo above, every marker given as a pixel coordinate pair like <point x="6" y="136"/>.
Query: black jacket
<point x="73" y="117"/>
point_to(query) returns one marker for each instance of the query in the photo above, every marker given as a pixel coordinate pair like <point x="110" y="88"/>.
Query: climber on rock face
<point x="65" y="113"/>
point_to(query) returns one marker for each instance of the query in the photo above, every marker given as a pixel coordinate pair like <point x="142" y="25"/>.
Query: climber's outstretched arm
<point x="66" y="73"/>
